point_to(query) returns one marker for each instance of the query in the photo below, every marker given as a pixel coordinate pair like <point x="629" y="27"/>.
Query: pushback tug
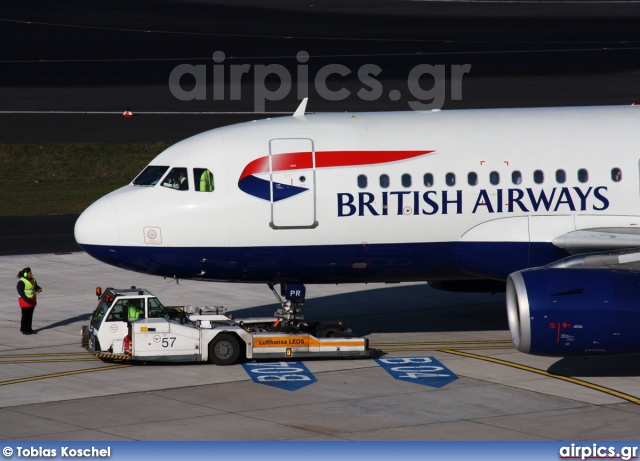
<point x="132" y="324"/>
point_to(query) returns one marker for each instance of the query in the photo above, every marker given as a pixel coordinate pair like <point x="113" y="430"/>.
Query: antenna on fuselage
<point x="301" y="108"/>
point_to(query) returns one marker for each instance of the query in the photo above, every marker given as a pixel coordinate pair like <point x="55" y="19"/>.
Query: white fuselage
<point x="377" y="196"/>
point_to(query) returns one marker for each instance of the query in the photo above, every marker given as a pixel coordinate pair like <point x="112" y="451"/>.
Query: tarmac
<point x="69" y="72"/>
<point x="52" y="389"/>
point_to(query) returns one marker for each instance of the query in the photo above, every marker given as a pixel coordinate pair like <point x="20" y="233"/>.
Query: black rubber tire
<point x="334" y="330"/>
<point x="329" y="332"/>
<point x="225" y="349"/>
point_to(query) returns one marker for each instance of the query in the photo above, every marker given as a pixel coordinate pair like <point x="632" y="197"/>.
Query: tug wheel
<point x="334" y="330"/>
<point x="224" y="349"/>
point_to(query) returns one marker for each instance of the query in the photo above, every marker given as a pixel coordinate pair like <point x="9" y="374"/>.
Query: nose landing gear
<point x="290" y="320"/>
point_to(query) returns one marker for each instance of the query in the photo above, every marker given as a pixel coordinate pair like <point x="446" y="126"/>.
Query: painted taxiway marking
<point x="596" y="387"/>
<point x="64" y="373"/>
<point x="46" y="357"/>
<point x="49" y="354"/>
<point x="449" y="347"/>
<point x="87" y="359"/>
<point x="458" y="348"/>
<point x="439" y="345"/>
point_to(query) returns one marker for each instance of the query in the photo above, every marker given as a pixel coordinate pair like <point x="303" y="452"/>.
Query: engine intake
<point x="567" y="312"/>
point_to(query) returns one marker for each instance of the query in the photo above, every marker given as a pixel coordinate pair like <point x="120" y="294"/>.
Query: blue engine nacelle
<point x="565" y="312"/>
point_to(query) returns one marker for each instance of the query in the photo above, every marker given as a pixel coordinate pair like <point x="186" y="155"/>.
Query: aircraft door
<point x="292" y="168"/>
<point x="114" y="326"/>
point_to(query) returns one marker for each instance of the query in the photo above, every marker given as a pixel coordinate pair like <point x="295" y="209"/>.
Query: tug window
<point x="561" y="176"/>
<point x="472" y="178"/>
<point x="362" y="181"/>
<point x="538" y="176"/>
<point x="176" y="179"/>
<point x="616" y="174"/>
<point x="116" y="314"/>
<point x="384" y="181"/>
<point x="428" y="179"/>
<point x="494" y="178"/>
<point x="583" y="175"/>
<point x="150" y="175"/>
<point x="516" y="177"/>
<point x="450" y="178"/>
<point x="406" y="180"/>
<point x="203" y="180"/>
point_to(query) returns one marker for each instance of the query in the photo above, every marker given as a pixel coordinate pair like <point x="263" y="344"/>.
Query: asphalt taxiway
<point x="64" y="66"/>
<point x="51" y="389"/>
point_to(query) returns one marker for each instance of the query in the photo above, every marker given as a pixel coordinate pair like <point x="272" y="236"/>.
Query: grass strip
<point x="44" y="179"/>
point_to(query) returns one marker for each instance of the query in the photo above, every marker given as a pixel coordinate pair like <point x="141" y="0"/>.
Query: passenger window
<point x="494" y="178"/>
<point x="583" y="175"/>
<point x="203" y="179"/>
<point x="362" y="181"/>
<point x="561" y="176"/>
<point x="516" y="177"/>
<point x="176" y="179"/>
<point x="428" y="179"/>
<point x="384" y="181"/>
<point x="406" y="180"/>
<point x="472" y="178"/>
<point x="616" y="174"/>
<point x="538" y="176"/>
<point x="150" y="175"/>
<point x="450" y="179"/>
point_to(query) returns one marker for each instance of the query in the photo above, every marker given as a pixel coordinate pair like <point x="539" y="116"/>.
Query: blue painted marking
<point x="420" y="370"/>
<point x="290" y="376"/>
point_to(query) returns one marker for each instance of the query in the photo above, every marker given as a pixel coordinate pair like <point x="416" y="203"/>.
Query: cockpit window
<point x="150" y="175"/>
<point x="203" y="179"/>
<point x="176" y="179"/>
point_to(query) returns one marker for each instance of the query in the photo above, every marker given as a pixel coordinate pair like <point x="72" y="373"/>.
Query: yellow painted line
<point x="60" y="354"/>
<point x="596" y="387"/>
<point x="57" y="375"/>
<point x="413" y="349"/>
<point x="434" y="343"/>
<point x="92" y="359"/>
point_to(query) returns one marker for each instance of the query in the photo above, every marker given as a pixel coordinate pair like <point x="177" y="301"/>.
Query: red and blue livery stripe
<point x="292" y="161"/>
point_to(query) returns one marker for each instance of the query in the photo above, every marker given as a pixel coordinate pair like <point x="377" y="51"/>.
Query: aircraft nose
<point x="98" y="225"/>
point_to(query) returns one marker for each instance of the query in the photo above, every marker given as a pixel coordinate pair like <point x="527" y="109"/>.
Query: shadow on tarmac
<point x="402" y="309"/>
<point x="69" y="321"/>
<point x="597" y="366"/>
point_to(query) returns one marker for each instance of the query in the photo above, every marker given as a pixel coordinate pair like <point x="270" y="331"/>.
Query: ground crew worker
<point x="28" y="289"/>
<point x="135" y="312"/>
<point x="206" y="181"/>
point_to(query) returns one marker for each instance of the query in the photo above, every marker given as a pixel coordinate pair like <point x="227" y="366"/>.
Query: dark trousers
<point x="27" y="318"/>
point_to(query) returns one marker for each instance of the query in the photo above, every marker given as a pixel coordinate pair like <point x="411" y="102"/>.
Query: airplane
<point x="542" y="202"/>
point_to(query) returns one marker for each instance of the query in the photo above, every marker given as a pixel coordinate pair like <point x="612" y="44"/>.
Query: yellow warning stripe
<point x="56" y="375"/>
<point x="596" y="387"/>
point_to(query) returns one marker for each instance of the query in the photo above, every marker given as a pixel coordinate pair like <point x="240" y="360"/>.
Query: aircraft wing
<point x="599" y="239"/>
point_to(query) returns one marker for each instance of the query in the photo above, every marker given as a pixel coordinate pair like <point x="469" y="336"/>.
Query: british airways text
<point x="431" y="202"/>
